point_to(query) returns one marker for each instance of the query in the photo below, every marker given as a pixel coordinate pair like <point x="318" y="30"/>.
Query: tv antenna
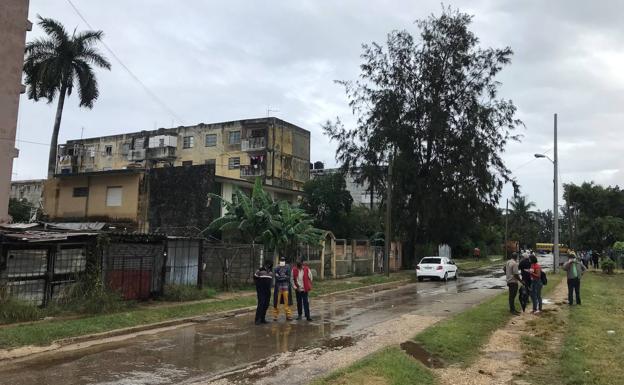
<point x="269" y="110"/>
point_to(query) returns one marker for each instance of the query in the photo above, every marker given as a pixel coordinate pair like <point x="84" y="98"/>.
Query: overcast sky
<point x="211" y="61"/>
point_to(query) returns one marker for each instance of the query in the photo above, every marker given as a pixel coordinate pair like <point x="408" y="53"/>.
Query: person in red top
<point x="536" y="285"/>
<point x="302" y="277"/>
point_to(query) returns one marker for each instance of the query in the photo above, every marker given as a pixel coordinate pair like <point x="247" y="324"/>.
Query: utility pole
<point x="506" y="227"/>
<point x="388" y="235"/>
<point x="556" y="202"/>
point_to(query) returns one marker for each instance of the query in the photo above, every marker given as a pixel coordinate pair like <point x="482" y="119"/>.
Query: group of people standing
<point x="528" y="278"/>
<point x="284" y="280"/>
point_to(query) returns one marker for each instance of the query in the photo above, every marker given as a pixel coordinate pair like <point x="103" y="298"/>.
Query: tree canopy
<point x="55" y="64"/>
<point x="431" y="101"/>
<point x="329" y="202"/>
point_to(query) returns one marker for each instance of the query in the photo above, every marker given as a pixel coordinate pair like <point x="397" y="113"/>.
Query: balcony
<point x="161" y="153"/>
<point x="136" y="155"/>
<point x="253" y="144"/>
<point x="251" y="171"/>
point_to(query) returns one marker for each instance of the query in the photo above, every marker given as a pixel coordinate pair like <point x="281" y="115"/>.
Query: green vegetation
<point x="181" y="293"/>
<point x="460" y="338"/>
<point x="329" y="286"/>
<point x="588" y="355"/>
<point x="390" y="366"/>
<point x="16" y="311"/>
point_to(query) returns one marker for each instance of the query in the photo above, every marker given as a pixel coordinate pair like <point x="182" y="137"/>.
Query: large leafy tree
<point x="597" y="214"/>
<point x="329" y="202"/>
<point x="432" y="102"/>
<point x="54" y="65"/>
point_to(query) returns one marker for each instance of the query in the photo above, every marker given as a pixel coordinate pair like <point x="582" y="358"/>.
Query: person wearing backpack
<point x="536" y="285"/>
<point x="575" y="271"/>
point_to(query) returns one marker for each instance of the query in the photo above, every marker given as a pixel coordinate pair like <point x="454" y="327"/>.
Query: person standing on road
<point x="476" y="253"/>
<point x="263" y="279"/>
<point x="302" y="278"/>
<point x="536" y="285"/>
<point x="595" y="257"/>
<point x="574" y="271"/>
<point x="282" y="293"/>
<point x="524" y="266"/>
<point x="513" y="278"/>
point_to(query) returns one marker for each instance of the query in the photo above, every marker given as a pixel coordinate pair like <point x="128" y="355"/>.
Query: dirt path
<point x="502" y="358"/>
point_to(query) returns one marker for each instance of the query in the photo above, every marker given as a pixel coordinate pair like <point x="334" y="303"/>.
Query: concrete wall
<point x="13" y="26"/>
<point x="60" y="203"/>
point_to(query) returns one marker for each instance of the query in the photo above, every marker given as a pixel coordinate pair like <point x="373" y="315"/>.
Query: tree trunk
<point x="55" y="133"/>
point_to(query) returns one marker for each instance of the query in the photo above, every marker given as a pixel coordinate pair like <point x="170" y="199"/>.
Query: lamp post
<point x="555" y="199"/>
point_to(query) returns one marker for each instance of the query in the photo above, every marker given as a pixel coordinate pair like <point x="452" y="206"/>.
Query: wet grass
<point x="47" y="331"/>
<point x="587" y="355"/>
<point x="390" y="366"/>
<point x="181" y="293"/>
<point x="473" y="264"/>
<point x="459" y="339"/>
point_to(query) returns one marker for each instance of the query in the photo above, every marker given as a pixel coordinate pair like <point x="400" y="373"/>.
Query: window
<point x="234" y="163"/>
<point x="234" y="137"/>
<point x="188" y="142"/>
<point x="161" y="142"/>
<point x="107" y="168"/>
<point x="108" y="150"/>
<point x="211" y="162"/>
<point x="113" y="196"/>
<point x="125" y="148"/>
<point x="80" y="192"/>
<point x="211" y="140"/>
<point x="187" y="163"/>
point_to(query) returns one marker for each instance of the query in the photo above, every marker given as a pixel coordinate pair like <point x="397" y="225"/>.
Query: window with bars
<point x="187" y="163"/>
<point x="211" y="140"/>
<point x="188" y="142"/>
<point x="234" y="163"/>
<point x="234" y="137"/>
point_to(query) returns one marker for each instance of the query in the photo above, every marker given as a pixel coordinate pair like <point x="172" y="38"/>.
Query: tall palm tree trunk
<point x="55" y="133"/>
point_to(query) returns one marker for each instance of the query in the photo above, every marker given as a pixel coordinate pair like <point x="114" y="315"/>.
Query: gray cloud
<point x="214" y="61"/>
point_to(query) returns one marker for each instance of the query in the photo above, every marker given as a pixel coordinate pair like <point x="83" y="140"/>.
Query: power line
<point x="136" y="78"/>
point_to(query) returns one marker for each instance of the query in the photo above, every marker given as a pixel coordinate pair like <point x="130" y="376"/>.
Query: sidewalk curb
<point x="30" y="351"/>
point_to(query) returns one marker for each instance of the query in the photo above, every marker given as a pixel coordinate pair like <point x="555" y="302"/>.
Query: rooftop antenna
<point x="269" y="110"/>
<point x="81" y="132"/>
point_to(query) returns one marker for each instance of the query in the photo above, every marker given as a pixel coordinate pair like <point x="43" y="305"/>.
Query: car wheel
<point x="420" y="279"/>
<point x="445" y="279"/>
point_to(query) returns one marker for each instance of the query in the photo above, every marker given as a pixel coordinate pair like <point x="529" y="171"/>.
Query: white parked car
<point x="436" y="267"/>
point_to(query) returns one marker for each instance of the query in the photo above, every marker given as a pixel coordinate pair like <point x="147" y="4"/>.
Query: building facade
<point x="157" y="180"/>
<point x="13" y="26"/>
<point x="30" y="190"/>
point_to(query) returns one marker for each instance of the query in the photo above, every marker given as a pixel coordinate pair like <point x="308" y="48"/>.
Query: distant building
<point x="360" y="192"/>
<point x="31" y="190"/>
<point x="113" y="178"/>
<point x="13" y="27"/>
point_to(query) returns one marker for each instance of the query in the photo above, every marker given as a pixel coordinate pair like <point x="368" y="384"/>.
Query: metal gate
<point x="135" y="270"/>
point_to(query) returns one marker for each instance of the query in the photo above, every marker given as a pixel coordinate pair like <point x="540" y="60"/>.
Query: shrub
<point x="608" y="266"/>
<point x="181" y="293"/>
<point x="12" y="310"/>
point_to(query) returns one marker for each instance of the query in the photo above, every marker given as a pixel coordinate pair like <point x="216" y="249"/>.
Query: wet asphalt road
<point x="225" y="347"/>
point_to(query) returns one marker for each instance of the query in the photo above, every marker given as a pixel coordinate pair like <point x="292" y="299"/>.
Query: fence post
<point x="200" y="263"/>
<point x="322" y="268"/>
<point x="333" y="258"/>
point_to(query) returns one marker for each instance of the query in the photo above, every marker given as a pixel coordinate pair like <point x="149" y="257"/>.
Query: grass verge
<point x="459" y="339"/>
<point x="471" y="264"/>
<point x="588" y="354"/>
<point x="45" y="332"/>
<point x="390" y="366"/>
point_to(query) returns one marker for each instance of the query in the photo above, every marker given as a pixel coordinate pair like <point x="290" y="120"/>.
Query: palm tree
<point x="521" y="209"/>
<point x="56" y="64"/>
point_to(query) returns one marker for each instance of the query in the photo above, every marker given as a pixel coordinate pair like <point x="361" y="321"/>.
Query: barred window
<point x="234" y="137"/>
<point x="188" y="142"/>
<point x="211" y="140"/>
<point x="234" y="163"/>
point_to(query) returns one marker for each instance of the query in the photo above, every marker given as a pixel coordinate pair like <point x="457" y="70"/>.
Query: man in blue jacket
<point x="263" y="279"/>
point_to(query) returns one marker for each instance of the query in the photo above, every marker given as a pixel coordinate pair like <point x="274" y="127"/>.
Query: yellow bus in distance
<point x="546" y="248"/>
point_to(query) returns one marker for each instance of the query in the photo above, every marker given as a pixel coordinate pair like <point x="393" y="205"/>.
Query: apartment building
<point x="113" y="177"/>
<point x="31" y="190"/>
<point x="13" y="26"/>
<point x="360" y="192"/>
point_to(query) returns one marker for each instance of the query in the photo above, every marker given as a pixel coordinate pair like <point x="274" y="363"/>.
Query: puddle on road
<point x="419" y="353"/>
<point x="497" y="287"/>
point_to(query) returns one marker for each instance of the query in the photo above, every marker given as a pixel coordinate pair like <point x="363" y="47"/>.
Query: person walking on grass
<point x="512" y="275"/>
<point x="282" y="293"/>
<point x="536" y="285"/>
<point x="302" y="278"/>
<point x="263" y="279"/>
<point x="574" y="270"/>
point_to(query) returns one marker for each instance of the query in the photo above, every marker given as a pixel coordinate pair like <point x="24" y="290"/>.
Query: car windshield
<point x="431" y="260"/>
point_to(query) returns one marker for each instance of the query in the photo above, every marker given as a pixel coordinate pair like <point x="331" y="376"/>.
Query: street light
<point x="555" y="199"/>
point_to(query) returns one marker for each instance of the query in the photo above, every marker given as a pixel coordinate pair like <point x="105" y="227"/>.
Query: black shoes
<point x="309" y="318"/>
<point x="298" y="318"/>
